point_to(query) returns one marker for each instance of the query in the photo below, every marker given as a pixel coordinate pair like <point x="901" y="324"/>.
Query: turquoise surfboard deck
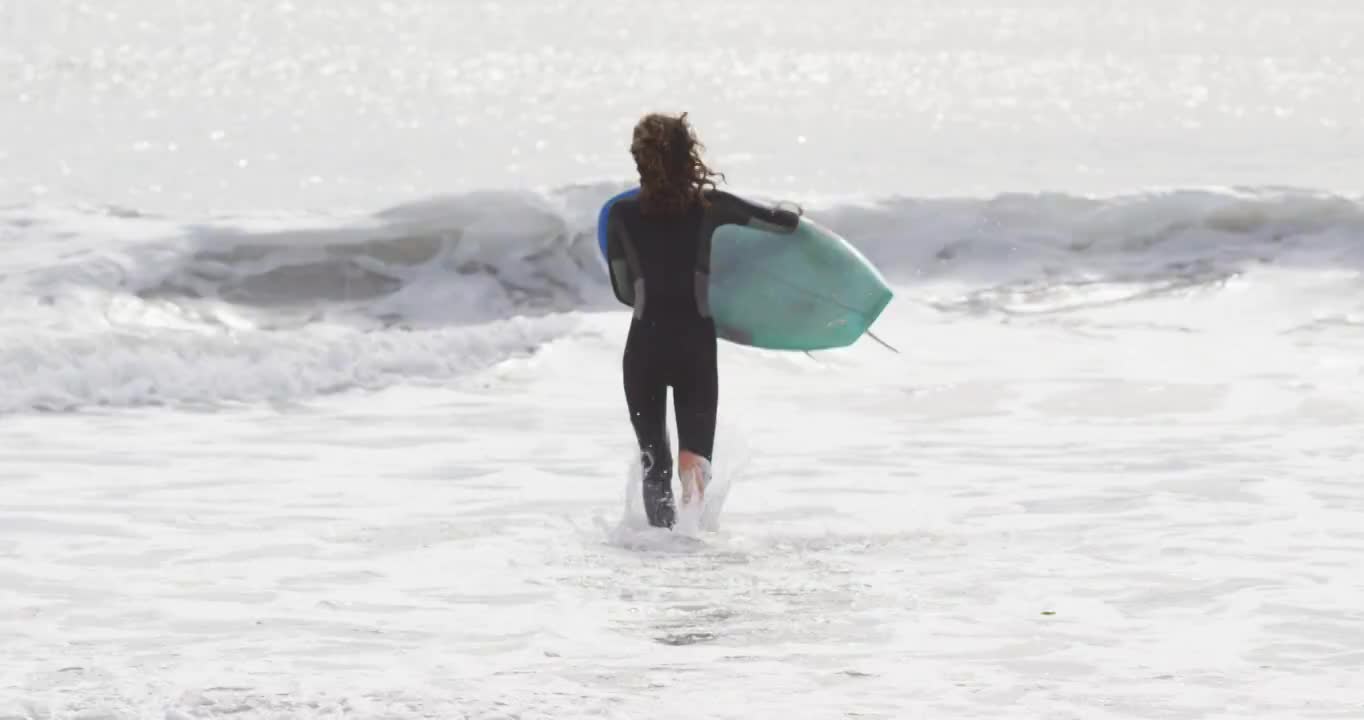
<point x="804" y="290"/>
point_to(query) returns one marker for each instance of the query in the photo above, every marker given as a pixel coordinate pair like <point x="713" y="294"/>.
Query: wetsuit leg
<point x="696" y="390"/>
<point x="646" y="396"/>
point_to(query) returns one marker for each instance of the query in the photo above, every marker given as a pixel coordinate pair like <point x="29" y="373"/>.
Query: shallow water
<point x="312" y="402"/>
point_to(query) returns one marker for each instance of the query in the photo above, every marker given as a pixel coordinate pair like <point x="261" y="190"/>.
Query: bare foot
<point x="694" y="472"/>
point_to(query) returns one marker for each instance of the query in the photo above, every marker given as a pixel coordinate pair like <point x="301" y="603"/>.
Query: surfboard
<point x="805" y="290"/>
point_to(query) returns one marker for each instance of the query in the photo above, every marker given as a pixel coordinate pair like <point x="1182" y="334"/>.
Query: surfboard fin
<point x="887" y="345"/>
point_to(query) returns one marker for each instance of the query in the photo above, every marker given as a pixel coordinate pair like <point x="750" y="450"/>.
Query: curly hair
<point x="672" y="177"/>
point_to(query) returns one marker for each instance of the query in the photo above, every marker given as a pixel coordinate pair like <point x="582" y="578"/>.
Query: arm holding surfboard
<point x="722" y="208"/>
<point x="731" y="209"/>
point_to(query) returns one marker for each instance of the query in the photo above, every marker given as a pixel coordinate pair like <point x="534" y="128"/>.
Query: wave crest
<point x="105" y="307"/>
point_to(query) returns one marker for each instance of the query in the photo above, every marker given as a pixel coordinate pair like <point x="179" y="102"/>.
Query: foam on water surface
<point x="311" y="401"/>
<point x="967" y="536"/>
<point x="113" y="309"/>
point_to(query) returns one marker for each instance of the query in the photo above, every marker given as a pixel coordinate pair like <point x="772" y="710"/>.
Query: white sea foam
<point x="310" y="395"/>
<point x="245" y="310"/>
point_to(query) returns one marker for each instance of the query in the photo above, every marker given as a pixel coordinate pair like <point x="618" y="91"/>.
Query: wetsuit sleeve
<point x="738" y="211"/>
<point x="618" y="260"/>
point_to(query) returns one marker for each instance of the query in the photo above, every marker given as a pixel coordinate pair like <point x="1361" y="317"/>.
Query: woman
<point x="658" y="247"/>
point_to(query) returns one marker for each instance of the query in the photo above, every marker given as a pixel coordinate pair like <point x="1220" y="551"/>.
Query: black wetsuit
<point x="660" y="266"/>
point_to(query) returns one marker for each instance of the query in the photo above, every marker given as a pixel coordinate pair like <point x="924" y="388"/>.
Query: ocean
<point x="312" y="408"/>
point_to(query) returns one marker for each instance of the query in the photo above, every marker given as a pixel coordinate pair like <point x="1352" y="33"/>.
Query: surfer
<point x="658" y="247"/>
